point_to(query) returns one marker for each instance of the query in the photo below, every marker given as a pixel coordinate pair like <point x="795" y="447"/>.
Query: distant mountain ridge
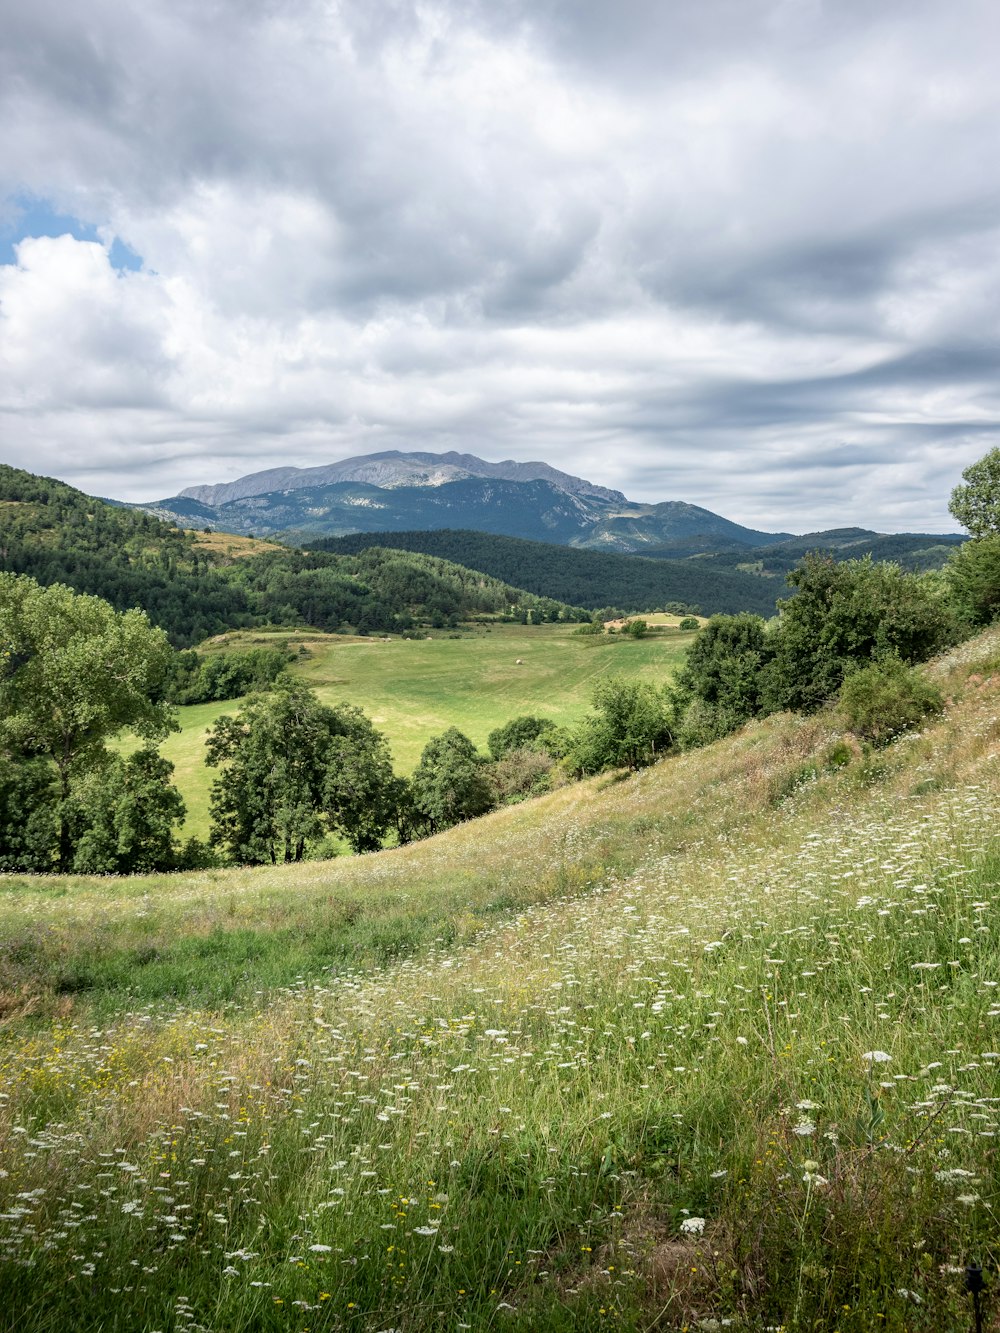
<point x="395" y="492"/>
<point x="393" y="469"/>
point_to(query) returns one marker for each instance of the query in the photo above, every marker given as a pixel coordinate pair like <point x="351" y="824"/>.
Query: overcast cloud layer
<point x="744" y="253"/>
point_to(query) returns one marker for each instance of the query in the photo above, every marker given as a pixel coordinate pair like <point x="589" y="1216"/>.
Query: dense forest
<point x="57" y="534"/>
<point x="583" y="578"/>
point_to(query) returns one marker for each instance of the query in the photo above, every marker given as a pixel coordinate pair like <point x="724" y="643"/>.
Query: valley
<point x="413" y="689"/>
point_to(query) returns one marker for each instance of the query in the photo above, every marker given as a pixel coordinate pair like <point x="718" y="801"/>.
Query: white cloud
<point x="742" y="254"/>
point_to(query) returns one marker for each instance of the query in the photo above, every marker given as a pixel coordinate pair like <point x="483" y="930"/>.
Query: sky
<point x="743" y="253"/>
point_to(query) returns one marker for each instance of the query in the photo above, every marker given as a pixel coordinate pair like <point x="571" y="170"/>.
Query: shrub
<point x="520" y="773"/>
<point x="702" y="723"/>
<point x="880" y="701"/>
<point x="688" y="623"/>
<point x="631" y="728"/>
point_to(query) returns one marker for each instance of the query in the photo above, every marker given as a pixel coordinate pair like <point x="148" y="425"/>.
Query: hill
<point x="712" y="1046"/>
<point x="592" y="579"/>
<point x="56" y="534"/>
<point x="917" y="551"/>
<point x="196" y="585"/>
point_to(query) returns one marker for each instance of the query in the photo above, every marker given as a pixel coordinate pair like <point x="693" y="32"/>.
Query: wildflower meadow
<point x="716" y="1045"/>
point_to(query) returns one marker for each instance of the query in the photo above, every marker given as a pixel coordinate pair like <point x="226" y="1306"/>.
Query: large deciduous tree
<point x="74" y="673"/>
<point x="293" y="769"/>
<point x="976" y="505"/>
<point x="451" y="782"/>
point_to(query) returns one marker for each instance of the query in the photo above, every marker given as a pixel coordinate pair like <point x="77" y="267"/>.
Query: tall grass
<point x="744" y="1076"/>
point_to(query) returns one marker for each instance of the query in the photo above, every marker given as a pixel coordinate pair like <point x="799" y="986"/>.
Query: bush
<point x="702" y="723"/>
<point x="688" y="623"/>
<point x="881" y="701"/>
<point x="631" y="728"/>
<point x="520" y="773"/>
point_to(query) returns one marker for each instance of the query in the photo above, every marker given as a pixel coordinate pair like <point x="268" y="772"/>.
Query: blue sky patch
<point x="37" y="217"/>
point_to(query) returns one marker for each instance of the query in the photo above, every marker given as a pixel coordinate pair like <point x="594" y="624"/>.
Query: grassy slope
<point x="483" y="1081"/>
<point x="416" y="688"/>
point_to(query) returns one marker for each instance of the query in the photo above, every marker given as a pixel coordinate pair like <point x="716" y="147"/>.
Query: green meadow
<point x="413" y="689"/>
<point x="714" y="1045"/>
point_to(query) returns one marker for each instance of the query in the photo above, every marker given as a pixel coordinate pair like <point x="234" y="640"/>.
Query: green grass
<point x="610" y="1059"/>
<point x="413" y="689"/>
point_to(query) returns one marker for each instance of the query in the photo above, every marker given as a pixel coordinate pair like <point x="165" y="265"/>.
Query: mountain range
<point x="398" y="492"/>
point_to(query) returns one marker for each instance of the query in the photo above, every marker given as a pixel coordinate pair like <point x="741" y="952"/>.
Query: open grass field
<point x="713" y="1046"/>
<point x="416" y="688"/>
<point x="231" y="546"/>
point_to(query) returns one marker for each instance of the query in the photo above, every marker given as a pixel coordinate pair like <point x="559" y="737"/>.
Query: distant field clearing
<point x="416" y="688"/>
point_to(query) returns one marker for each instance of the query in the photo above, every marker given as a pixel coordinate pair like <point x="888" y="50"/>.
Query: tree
<point x="520" y="733"/>
<point x="267" y="802"/>
<point x="451" y="783"/>
<point x="638" y="629"/>
<point x="28" y="816"/>
<point x="76" y="673"/>
<point x="721" y="683"/>
<point x="976" y="505"/>
<point x="294" y="769"/>
<point x="973" y="575"/>
<point x="846" y="614"/>
<point x="130" y="807"/>
<point x="361" y="793"/>
<point x="631" y="728"/>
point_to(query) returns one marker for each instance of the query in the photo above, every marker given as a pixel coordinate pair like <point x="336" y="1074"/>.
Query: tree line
<point x="584" y="578"/>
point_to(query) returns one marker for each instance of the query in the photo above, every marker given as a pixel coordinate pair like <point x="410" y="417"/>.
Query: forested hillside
<point x="915" y="551"/>
<point x="57" y="534"/>
<point x="584" y="578"/>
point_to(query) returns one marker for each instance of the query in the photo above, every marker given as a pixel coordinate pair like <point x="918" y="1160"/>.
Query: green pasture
<point x="413" y="689"/>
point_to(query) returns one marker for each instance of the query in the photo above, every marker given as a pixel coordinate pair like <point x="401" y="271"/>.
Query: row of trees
<point x="295" y="772"/>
